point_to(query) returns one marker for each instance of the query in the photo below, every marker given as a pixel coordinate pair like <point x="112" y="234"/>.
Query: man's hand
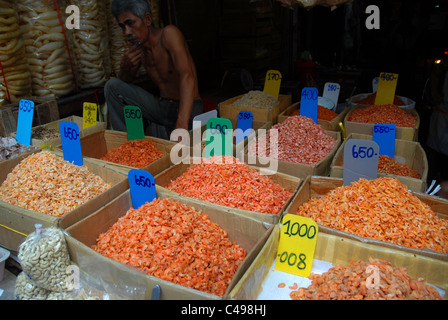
<point x="133" y="57"/>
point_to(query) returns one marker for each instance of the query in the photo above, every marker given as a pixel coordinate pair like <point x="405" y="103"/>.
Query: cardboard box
<point x="402" y="133"/>
<point x="17" y="222"/>
<point x="407" y="152"/>
<point x="230" y="111"/>
<point x="330" y="125"/>
<point x="340" y="251"/>
<point x="316" y="187"/>
<point x="248" y="233"/>
<point x="300" y="170"/>
<point x="54" y="142"/>
<point x="289" y="183"/>
<point x="96" y="145"/>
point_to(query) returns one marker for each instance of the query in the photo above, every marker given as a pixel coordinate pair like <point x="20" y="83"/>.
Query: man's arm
<point x="174" y="43"/>
<point x="130" y="63"/>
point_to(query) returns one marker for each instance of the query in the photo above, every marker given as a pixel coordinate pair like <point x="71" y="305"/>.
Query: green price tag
<point x="219" y="137"/>
<point x="134" y="122"/>
<point x="297" y="245"/>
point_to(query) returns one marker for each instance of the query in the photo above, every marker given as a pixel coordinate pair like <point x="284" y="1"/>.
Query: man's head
<point x="134" y="17"/>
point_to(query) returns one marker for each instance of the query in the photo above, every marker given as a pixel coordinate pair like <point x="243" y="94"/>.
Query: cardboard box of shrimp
<point x="48" y="135"/>
<point x="231" y="185"/>
<point x="123" y="155"/>
<point x="334" y="257"/>
<point x="303" y="147"/>
<point x="409" y="159"/>
<point x="191" y="251"/>
<point x="384" y="117"/>
<point x="382" y="211"/>
<point x="230" y="108"/>
<point x="331" y="125"/>
<point x="45" y="189"/>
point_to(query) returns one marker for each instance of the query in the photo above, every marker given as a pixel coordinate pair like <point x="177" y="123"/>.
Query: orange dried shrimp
<point x="300" y="140"/>
<point x="383" y="114"/>
<point x="172" y="241"/>
<point x="48" y="184"/>
<point x="134" y="153"/>
<point x="227" y="181"/>
<point x="388" y="165"/>
<point x="382" y="209"/>
<point x="351" y="283"/>
<point x="322" y="113"/>
<point x="370" y="99"/>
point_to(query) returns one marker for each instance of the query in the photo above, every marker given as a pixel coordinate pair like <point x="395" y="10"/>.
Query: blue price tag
<point x="308" y="103"/>
<point x="384" y="136"/>
<point x="25" y="122"/>
<point x="71" y="143"/>
<point x="142" y="186"/>
<point x="244" y="123"/>
<point x="360" y="160"/>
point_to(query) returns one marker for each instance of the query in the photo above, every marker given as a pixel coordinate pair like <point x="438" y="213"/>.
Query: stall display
<point x="10" y="148"/>
<point x="384" y="114"/>
<point x="15" y="76"/>
<point x="389" y="165"/>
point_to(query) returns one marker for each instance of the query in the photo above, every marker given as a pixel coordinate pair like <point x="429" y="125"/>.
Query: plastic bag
<point x="15" y="78"/>
<point x="26" y="289"/>
<point x="45" y="259"/>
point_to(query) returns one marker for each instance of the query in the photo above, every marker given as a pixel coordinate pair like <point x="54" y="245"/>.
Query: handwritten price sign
<point x="244" y="123"/>
<point x="71" y="143"/>
<point x="308" y="103"/>
<point x="134" y="122"/>
<point x="360" y="160"/>
<point x="273" y="82"/>
<point x="219" y="137"/>
<point x="142" y="187"/>
<point x="384" y="136"/>
<point x="89" y="114"/>
<point x="25" y="122"/>
<point x="387" y="84"/>
<point x="297" y="244"/>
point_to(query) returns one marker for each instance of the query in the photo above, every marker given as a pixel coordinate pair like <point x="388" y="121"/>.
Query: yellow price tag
<point x="297" y="244"/>
<point x="89" y="114"/>
<point x="272" y="83"/>
<point x="387" y="84"/>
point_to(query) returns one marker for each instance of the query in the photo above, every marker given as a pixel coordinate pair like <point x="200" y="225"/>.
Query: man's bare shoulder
<point x="172" y="36"/>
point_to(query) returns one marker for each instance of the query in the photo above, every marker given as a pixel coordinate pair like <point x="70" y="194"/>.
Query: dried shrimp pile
<point x="351" y="283"/>
<point x="227" y="181"/>
<point x="46" y="49"/>
<point x="90" y="43"/>
<point x="257" y="99"/>
<point x="15" y="77"/>
<point x="172" y="241"/>
<point x="300" y="140"/>
<point x="48" y="184"/>
<point x="389" y="165"/>
<point x="322" y="113"/>
<point x="370" y="100"/>
<point x="134" y="153"/>
<point x="382" y="209"/>
<point x="384" y="114"/>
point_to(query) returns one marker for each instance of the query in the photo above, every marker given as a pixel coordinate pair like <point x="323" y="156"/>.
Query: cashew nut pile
<point x="12" y="57"/>
<point x="90" y="43"/>
<point x="46" y="49"/>
<point x="44" y="257"/>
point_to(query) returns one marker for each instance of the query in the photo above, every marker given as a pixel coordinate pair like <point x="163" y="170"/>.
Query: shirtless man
<point x="167" y="61"/>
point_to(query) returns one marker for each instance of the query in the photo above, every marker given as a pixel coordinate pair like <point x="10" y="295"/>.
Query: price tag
<point x="273" y="82"/>
<point x="384" y="136"/>
<point x="219" y="136"/>
<point x="89" y="114"/>
<point x="25" y="122"/>
<point x="387" y="84"/>
<point x="297" y="244"/>
<point x="375" y="83"/>
<point x="308" y="103"/>
<point x="71" y="143"/>
<point x="134" y="122"/>
<point x="331" y="91"/>
<point x="360" y="160"/>
<point x="142" y="187"/>
<point x="202" y="118"/>
<point x="244" y="124"/>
